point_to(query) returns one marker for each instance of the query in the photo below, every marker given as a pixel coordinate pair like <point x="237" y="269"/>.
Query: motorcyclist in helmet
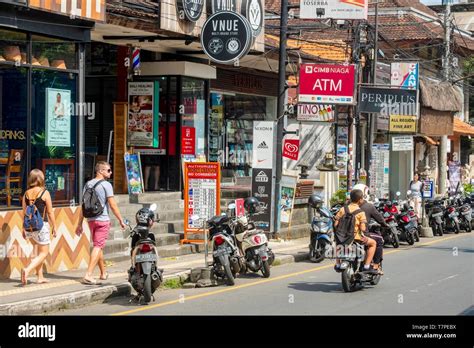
<point x="251" y="205"/>
<point x="372" y="213"/>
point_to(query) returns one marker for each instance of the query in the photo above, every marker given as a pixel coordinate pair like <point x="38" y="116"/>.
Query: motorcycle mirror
<point x="231" y="206"/>
<point x="153" y="207"/>
<point x="126" y="222"/>
<point x="398" y="194"/>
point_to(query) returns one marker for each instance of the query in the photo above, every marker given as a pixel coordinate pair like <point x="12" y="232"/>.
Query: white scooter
<point x="253" y="244"/>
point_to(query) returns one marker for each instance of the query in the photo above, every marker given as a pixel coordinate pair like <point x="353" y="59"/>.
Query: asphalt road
<point x="435" y="277"/>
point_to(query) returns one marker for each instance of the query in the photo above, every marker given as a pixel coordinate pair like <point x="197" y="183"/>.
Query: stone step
<point x="149" y="197"/>
<point x="119" y="245"/>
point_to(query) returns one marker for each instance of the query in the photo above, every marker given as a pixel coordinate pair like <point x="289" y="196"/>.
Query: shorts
<point x="41" y="237"/>
<point x="99" y="232"/>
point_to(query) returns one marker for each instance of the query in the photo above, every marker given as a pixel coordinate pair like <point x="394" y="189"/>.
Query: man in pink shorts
<point x="100" y="225"/>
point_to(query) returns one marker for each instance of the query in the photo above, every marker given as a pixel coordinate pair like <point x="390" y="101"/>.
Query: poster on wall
<point x="287" y="197"/>
<point x="188" y="141"/>
<point x="58" y="117"/>
<point x="133" y="170"/>
<point x="262" y="188"/>
<point x="379" y="170"/>
<point x="143" y="120"/>
<point x="454" y="169"/>
<point x="342" y="155"/>
<point x="201" y="194"/>
<point x="263" y="132"/>
<point x="405" y="75"/>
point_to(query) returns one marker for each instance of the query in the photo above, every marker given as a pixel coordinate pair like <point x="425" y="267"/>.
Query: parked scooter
<point x="253" y="243"/>
<point x="322" y="231"/>
<point x="435" y="211"/>
<point x="405" y="226"/>
<point x="465" y="213"/>
<point x="391" y="234"/>
<point x="407" y="207"/>
<point x="144" y="276"/>
<point x="451" y="216"/>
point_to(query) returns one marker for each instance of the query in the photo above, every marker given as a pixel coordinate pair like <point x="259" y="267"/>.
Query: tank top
<point x="40" y="204"/>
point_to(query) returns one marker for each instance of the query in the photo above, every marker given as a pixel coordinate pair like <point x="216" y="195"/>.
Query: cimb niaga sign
<point x="226" y="37"/>
<point x="327" y="84"/>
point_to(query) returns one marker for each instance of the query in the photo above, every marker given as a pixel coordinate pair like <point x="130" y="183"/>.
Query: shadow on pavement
<point x="468" y="311"/>
<point x="319" y="287"/>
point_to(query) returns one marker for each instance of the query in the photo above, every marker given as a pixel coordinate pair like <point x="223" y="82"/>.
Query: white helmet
<point x="364" y="189"/>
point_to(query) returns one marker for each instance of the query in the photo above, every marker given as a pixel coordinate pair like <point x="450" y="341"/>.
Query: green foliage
<point x="173" y="283"/>
<point x="38" y="142"/>
<point x="468" y="188"/>
<point x="339" y="197"/>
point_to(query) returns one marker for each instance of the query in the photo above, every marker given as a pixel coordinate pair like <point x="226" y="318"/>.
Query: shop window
<point x="13" y="135"/>
<point x="49" y="52"/>
<point x="53" y="137"/>
<point x="13" y="46"/>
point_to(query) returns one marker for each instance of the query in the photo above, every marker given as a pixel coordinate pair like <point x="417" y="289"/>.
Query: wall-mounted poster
<point x="287" y="197"/>
<point x="58" y="117"/>
<point x="143" y="120"/>
<point x="133" y="169"/>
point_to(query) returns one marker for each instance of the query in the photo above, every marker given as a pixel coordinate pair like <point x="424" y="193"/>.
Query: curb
<point x="83" y="298"/>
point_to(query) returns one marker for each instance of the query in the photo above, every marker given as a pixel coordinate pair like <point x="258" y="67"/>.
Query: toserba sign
<point x="327" y="84"/>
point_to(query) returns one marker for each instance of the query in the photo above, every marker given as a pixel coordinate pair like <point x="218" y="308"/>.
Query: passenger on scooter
<point x="360" y="227"/>
<point x="372" y="213"/>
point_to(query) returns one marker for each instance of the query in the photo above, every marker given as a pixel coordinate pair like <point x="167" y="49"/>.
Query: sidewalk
<point x="66" y="291"/>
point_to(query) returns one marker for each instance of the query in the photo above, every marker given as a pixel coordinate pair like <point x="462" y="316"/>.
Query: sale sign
<point x="188" y="141"/>
<point x="291" y="149"/>
<point x="327" y="84"/>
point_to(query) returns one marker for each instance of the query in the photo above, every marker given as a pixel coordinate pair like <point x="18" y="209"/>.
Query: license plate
<point x="409" y="226"/>
<point x="145" y="257"/>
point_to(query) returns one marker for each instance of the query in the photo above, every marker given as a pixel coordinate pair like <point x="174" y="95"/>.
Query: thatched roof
<point x="441" y="96"/>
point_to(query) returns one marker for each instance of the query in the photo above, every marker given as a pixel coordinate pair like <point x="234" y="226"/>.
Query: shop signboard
<point x="222" y="5"/>
<point x="263" y="134"/>
<point x="428" y="189"/>
<point x="379" y="170"/>
<point x="188" y="141"/>
<point x="58" y="117"/>
<point x="388" y="101"/>
<point x="226" y="37"/>
<point x="316" y="113"/>
<point x="334" y="9"/>
<point x="201" y="193"/>
<point x="405" y="75"/>
<point x="262" y="189"/>
<point x="88" y="9"/>
<point x="133" y="169"/>
<point x="402" y="124"/>
<point x="402" y="143"/>
<point x="253" y="10"/>
<point x="327" y="84"/>
<point x="143" y="120"/>
<point x="287" y="197"/>
<point x="190" y="10"/>
<point x="291" y="148"/>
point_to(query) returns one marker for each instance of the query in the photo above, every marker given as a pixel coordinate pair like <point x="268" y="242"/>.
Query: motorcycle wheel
<point x="469" y="226"/>
<point x="265" y="269"/>
<point x="439" y="228"/>
<point x="417" y="236"/>
<point x="147" y="289"/>
<point x="317" y="255"/>
<point x="395" y="241"/>
<point x="410" y="239"/>
<point x="376" y="280"/>
<point x="457" y="229"/>
<point x="347" y="284"/>
<point x="228" y="275"/>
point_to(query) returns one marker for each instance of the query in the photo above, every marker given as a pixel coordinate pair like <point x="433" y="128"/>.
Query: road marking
<point x="259" y="282"/>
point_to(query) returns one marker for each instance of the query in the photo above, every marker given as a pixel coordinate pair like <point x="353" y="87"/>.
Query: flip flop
<point x="106" y="276"/>
<point x="89" y="282"/>
<point x="24" y="280"/>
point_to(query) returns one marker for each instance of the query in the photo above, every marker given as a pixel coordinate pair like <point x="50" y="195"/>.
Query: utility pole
<point x="280" y="108"/>
<point x="443" y="158"/>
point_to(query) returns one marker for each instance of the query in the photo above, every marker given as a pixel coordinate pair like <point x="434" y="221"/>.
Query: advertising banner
<point x="454" y="169"/>
<point x="133" y="169"/>
<point x="143" y="120"/>
<point x="291" y="148"/>
<point x="239" y="207"/>
<point x="402" y="124"/>
<point x="262" y="189"/>
<point x="342" y="155"/>
<point x="201" y="193"/>
<point x="428" y="189"/>
<point x="379" y="170"/>
<point x="327" y="84"/>
<point x="402" y="143"/>
<point x="287" y="197"/>
<point x="58" y="117"/>
<point x="405" y="75"/>
<point x="316" y="113"/>
<point x="263" y="144"/>
<point x="387" y="101"/>
<point x="334" y="9"/>
<point x="188" y="141"/>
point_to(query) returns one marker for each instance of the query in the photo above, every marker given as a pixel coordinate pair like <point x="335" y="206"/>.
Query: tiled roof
<point x="462" y="127"/>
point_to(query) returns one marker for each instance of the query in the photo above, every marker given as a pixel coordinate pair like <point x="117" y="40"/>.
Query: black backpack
<point x="345" y="231"/>
<point x="91" y="205"/>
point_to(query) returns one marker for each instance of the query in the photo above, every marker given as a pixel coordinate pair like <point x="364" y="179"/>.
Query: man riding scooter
<point x="372" y="213"/>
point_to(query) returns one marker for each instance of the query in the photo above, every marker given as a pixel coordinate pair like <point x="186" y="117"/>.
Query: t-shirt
<point x="360" y="219"/>
<point x="415" y="188"/>
<point x="104" y="190"/>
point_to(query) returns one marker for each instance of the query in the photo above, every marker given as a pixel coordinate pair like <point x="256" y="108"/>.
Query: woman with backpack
<point x="38" y="219"/>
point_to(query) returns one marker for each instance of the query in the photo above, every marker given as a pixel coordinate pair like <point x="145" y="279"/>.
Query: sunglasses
<point x="108" y="170"/>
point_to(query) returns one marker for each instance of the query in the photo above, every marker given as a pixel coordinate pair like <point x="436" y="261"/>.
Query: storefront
<point x="238" y="97"/>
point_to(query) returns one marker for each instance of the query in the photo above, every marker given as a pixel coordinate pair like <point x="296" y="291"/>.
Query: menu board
<point x="202" y="193"/>
<point x="379" y="170"/>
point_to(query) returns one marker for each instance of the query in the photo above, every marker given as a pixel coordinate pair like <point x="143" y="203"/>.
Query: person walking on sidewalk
<point x="416" y="188"/>
<point x="99" y="191"/>
<point x="38" y="220"/>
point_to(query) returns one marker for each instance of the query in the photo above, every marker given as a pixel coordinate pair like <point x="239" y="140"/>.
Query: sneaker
<point x="370" y="270"/>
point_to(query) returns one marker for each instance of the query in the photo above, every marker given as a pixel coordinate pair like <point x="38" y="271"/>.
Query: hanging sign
<point x="254" y="12"/>
<point x="226" y="37"/>
<point x="188" y="141"/>
<point x="334" y="9"/>
<point x="327" y="84"/>
<point x="388" y="101"/>
<point x="402" y="124"/>
<point x="402" y="143"/>
<point x="222" y="5"/>
<point x="291" y="148"/>
<point x="190" y="9"/>
<point x="405" y="75"/>
<point x="316" y="113"/>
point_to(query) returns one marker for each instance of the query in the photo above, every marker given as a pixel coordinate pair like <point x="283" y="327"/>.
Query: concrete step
<point x="119" y="245"/>
<point x="149" y="197"/>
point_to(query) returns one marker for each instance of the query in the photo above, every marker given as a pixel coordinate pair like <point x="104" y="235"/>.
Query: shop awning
<point x="427" y="139"/>
<point x="462" y="128"/>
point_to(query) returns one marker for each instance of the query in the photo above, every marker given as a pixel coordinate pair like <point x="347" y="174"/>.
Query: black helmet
<point x="251" y="204"/>
<point x="315" y="201"/>
<point x="144" y="217"/>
